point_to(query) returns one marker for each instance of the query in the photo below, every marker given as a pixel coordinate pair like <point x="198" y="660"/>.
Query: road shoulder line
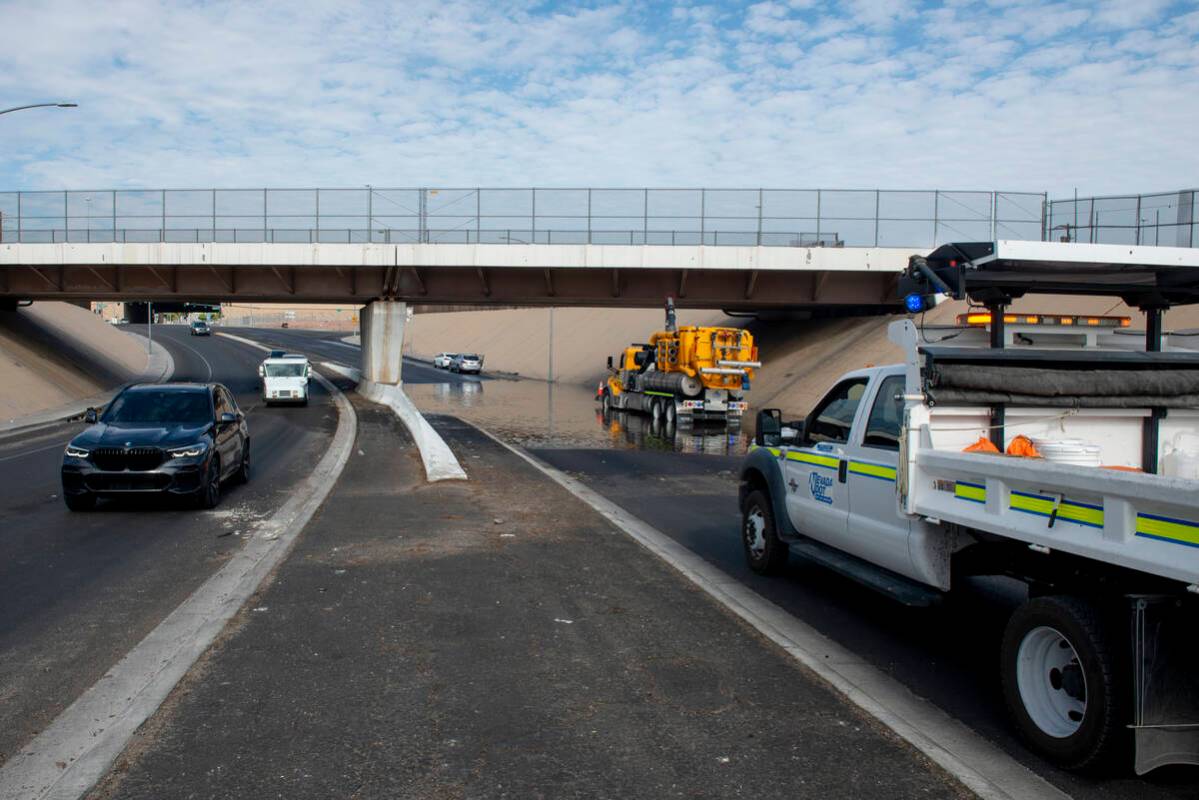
<point x="93" y="731"/>
<point x="978" y="764"/>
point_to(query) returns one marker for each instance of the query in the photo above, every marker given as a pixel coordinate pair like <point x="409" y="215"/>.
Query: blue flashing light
<point x="914" y="303"/>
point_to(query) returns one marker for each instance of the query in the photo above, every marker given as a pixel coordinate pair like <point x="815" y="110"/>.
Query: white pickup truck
<point x="285" y="379"/>
<point x="877" y="483"/>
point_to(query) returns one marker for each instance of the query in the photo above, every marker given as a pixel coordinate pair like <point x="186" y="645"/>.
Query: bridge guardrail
<point x="716" y="217"/>
<point x="1164" y="218"/>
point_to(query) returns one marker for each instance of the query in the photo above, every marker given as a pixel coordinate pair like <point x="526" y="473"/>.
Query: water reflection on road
<point x="534" y="414"/>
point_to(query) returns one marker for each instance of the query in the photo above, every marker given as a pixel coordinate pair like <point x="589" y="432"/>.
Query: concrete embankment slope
<point x="56" y="354"/>
<point x="518" y="340"/>
<point x="801" y="358"/>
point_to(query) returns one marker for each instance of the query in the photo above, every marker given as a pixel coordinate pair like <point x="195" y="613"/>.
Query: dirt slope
<point x="55" y="354"/>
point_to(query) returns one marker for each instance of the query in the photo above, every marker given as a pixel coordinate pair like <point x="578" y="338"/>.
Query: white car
<point x="285" y="379"/>
<point x="442" y="360"/>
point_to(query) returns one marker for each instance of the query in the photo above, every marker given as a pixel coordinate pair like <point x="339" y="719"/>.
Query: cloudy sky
<point x="998" y="94"/>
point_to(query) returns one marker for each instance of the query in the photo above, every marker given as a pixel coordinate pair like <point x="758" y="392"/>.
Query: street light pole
<point x="39" y="105"/>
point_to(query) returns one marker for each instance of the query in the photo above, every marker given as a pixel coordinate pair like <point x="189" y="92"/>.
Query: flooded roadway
<point x="538" y="415"/>
<point x="527" y="413"/>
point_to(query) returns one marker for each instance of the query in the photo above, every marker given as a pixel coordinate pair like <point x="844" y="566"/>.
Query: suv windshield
<point x="187" y="408"/>
<point x="470" y="357"/>
<point x="295" y="370"/>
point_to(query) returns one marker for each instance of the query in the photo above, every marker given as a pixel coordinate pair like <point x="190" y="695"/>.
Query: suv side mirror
<point x="91" y="416"/>
<point x="227" y="418"/>
<point x="769" y="431"/>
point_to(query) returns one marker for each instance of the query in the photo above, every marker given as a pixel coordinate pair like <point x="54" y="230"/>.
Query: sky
<point x="1027" y="95"/>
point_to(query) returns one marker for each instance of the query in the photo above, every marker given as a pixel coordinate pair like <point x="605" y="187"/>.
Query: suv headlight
<point x="191" y="451"/>
<point x="76" y="452"/>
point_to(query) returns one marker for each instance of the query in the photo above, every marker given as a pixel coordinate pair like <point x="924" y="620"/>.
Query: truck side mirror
<point x="769" y="431"/>
<point x="609" y="362"/>
<point x="90" y="416"/>
<point x="261" y="371"/>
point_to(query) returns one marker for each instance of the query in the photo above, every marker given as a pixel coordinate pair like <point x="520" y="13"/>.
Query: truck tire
<point x="1062" y="673"/>
<point x="765" y="552"/>
<point x="606" y="401"/>
<point x="655" y="409"/>
<point x="672" y="413"/>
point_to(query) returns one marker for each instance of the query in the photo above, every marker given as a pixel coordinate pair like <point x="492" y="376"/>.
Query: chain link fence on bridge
<point x="1165" y="219"/>
<point x="768" y="217"/>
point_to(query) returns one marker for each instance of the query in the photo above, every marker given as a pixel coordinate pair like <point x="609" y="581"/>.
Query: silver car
<point x="467" y="362"/>
<point x="442" y="360"/>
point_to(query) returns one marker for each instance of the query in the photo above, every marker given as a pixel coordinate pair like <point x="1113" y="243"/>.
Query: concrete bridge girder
<point x="594" y="275"/>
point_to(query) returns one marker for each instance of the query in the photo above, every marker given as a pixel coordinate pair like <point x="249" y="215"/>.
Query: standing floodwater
<point x="535" y="414"/>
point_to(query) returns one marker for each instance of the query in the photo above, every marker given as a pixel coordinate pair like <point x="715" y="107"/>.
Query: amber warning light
<point x="984" y="318"/>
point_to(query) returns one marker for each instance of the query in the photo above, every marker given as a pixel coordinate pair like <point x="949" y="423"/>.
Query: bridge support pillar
<point x="381" y="327"/>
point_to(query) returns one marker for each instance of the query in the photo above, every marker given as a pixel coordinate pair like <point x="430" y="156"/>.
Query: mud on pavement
<point x="497" y="638"/>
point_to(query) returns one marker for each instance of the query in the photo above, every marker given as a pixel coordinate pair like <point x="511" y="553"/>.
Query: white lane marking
<point x="199" y="355"/>
<point x="59" y="445"/>
<point x="89" y="735"/>
<point x="985" y="769"/>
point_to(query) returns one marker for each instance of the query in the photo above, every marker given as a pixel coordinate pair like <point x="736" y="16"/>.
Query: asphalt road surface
<point x="78" y="590"/>
<point x="948" y="655"/>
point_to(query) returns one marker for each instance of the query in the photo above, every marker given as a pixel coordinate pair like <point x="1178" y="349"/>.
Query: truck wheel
<point x="672" y="413"/>
<point x="655" y="409"/>
<point x="606" y="401"/>
<point x="1061" y="672"/>
<point x="765" y="552"/>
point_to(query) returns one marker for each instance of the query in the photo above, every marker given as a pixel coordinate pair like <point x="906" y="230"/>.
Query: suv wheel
<point x="210" y="494"/>
<point x="84" y="501"/>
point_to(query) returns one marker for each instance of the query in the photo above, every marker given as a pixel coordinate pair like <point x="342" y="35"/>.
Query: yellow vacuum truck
<point x="687" y="373"/>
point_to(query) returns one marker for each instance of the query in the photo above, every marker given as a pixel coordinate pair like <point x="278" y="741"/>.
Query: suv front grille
<point x="134" y="459"/>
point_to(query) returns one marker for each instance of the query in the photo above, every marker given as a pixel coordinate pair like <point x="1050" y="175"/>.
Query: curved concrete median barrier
<point x="440" y="462"/>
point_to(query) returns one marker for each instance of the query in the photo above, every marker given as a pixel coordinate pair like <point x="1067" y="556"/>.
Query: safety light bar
<point x="982" y="318"/>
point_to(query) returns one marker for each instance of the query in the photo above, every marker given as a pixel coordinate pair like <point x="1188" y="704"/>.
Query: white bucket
<point x="1069" y="451"/>
<point x="1182" y="457"/>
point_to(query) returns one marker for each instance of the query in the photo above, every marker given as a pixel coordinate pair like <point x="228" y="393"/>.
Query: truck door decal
<point x="819" y="486"/>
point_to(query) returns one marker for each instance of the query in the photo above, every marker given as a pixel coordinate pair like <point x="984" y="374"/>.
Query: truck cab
<point x="285" y="379"/>
<point x="835" y="478"/>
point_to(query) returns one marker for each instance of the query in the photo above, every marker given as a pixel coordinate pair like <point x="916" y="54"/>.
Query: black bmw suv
<point x="181" y="439"/>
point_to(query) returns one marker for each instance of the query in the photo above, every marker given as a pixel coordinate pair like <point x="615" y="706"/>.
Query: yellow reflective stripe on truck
<point x="869" y="470"/>
<point x="1067" y="511"/>
<point x="1168" y="529"/>
<point x="1149" y="526"/>
<point x="970" y="491"/>
<point x="828" y="462"/>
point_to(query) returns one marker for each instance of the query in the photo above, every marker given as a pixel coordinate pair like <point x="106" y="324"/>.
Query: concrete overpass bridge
<point x="734" y="277"/>
<point x="740" y="250"/>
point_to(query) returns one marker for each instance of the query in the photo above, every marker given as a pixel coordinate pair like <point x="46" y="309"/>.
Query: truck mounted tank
<point x="688" y="373"/>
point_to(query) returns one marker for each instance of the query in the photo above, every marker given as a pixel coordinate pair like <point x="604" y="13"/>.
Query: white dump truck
<point x="1054" y="449"/>
<point x="285" y="379"/>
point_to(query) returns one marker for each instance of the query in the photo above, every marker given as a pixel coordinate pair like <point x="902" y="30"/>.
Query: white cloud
<point x="969" y="94"/>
